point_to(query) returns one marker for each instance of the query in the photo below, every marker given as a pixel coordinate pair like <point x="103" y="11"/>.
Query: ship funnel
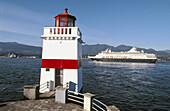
<point x="133" y="49"/>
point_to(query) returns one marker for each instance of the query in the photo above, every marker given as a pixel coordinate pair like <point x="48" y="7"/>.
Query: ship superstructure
<point x="130" y="56"/>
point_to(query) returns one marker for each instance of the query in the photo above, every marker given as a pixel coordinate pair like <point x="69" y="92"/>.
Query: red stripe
<point x="61" y="63"/>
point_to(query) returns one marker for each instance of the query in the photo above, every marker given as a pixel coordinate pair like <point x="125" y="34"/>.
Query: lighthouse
<point x="61" y="55"/>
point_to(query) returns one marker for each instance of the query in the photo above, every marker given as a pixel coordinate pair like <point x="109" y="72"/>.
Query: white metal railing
<point x="98" y="105"/>
<point x="61" y="31"/>
<point x="66" y="85"/>
<point x="44" y="86"/>
<point x="87" y="100"/>
<point x="79" y="98"/>
<point x="76" y="97"/>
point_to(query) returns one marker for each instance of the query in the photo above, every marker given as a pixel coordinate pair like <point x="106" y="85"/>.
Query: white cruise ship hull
<point x="125" y="60"/>
<point x="130" y="56"/>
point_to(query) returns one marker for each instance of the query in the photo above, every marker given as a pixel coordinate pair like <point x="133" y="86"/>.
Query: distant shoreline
<point x="3" y="57"/>
<point x="34" y="57"/>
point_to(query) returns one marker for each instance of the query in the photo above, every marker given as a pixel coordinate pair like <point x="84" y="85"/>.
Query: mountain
<point x="27" y="50"/>
<point x="19" y="49"/>
<point x="168" y="51"/>
<point x="95" y="49"/>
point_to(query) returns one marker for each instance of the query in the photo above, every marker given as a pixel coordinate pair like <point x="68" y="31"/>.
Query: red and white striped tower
<point x="62" y="54"/>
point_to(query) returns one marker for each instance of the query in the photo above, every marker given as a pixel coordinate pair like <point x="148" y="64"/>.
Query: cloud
<point x="18" y="19"/>
<point x="21" y="27"/>
<point x="20" y="38"/>
<point x="14" y="11"/>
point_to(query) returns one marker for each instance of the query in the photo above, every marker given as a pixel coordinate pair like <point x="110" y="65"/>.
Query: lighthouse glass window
<point x="70" y="22"/>
<point x="57" y="23"/>
<point x="63" y="22"/>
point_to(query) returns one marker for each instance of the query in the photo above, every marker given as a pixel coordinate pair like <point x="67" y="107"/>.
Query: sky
<point x="139" y="23"/>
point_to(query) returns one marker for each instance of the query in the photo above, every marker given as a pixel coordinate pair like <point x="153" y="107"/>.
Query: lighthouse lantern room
<point x="65" y="20"/>
<point x="61" y="55"/>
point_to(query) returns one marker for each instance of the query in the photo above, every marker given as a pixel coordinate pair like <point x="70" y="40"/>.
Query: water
<point x="14" y="74"/>
<point x="129" y="86"/>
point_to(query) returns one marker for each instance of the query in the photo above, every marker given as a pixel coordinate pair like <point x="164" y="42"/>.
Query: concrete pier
<point x="31" y="91"/>
<point x="58" y="100"/>
<point x="39" y="105"/>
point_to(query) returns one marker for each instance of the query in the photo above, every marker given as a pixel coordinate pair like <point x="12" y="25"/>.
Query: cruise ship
<point x="130" y="56"/>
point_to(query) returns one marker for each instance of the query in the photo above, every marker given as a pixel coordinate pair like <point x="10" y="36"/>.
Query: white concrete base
<point x="88" y="101"/>
<point x="61" y="95"/>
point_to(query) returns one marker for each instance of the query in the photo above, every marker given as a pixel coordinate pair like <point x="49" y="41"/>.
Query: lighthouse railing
<point x="44" y="86"/>
<point x="61" y="31"/>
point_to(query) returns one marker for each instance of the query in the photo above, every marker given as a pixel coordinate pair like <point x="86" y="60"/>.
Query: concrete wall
<point x="59" y="49"/>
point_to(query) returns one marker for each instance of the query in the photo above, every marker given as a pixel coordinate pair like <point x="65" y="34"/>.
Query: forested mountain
<point x="27" y="50"/>
<point x="20" y="49"/>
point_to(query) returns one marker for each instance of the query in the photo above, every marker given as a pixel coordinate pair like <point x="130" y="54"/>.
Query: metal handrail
<point x="44" y="86"/>
<point x="76" y="93"/>
<point x="94" y="109"/>
<point x="75" y="101"/>
<point x="43" y="89"/>
<point x="97" y="105"/>
<point x="66" y="85"/>
<point x="74" y="97"/>
<point x="44" y="83"/>
<point x="99" y="102"/>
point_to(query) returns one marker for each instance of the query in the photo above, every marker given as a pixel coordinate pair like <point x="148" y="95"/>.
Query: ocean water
<point x="129" y="86"/>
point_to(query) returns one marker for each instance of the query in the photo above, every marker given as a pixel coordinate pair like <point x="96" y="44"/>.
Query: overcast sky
<point x="140" y="23"/>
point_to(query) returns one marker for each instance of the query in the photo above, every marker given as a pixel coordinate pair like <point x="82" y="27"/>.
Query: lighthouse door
<point x="58" y="77"/>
